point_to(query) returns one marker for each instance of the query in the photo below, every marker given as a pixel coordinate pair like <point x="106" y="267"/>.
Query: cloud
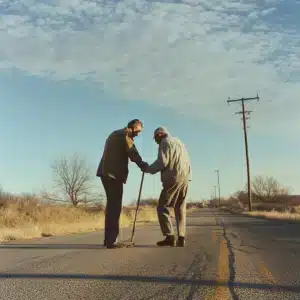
<point x="190" y="55"/>
<point x="262" y="13"/>
<point x="268" y="11"/>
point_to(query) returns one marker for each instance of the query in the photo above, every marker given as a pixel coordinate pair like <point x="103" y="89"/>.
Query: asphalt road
<point x="227" y="256"/>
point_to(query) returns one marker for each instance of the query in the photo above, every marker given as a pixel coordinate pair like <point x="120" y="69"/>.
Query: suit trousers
<point x="114" y="195"/>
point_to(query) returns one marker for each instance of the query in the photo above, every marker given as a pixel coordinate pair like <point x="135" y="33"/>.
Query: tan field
<point x="30" y="219"/>
<point x="285" y="215"/>
<point x="286" y="211"/>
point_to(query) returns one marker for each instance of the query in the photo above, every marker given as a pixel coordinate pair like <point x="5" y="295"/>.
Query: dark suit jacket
<point x="119" y="148"/>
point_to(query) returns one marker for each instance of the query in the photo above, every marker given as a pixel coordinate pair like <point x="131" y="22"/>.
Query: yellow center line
<point x="222" y="292"/>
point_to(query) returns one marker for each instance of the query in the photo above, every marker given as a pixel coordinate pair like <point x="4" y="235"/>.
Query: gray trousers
<point x="114" y="194"/>
<point x="173" y="195"/>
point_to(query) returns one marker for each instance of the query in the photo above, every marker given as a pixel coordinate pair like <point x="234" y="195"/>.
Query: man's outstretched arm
<point x="133" y="153"/>
<point x="162" y="160"/>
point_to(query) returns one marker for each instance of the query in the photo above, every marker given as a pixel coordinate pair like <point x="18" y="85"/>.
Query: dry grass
<point x="275" y="215"/>
<point x="275" y="211"/>
<point x="26" y="220"/>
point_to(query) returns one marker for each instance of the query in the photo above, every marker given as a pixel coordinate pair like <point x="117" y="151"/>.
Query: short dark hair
<point x="134" y="122"/>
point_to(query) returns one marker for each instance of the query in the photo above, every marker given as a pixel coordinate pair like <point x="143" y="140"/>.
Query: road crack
<point x="231" y="262"/>
<point x="196" y="269"/>
<point x="192" y="272"/>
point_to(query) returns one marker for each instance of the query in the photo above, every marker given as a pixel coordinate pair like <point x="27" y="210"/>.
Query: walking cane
<point x="137" y="208"/>
<point x="131" y="242"/>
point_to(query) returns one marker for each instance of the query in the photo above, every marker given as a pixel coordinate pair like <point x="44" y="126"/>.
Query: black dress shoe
<point x="181" y="241"/>
<point x="168" y="241"/>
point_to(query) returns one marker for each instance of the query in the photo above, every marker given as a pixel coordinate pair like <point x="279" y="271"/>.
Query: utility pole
<point x="243" y="112"/>
<point x="215" y="194"/>
<point x="218" y="171"/>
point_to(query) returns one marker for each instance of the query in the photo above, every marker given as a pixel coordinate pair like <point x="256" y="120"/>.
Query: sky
<point x="73" y="71"/>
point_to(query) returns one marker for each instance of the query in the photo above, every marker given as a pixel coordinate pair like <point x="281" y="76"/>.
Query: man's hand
<point x="143" y="166"/>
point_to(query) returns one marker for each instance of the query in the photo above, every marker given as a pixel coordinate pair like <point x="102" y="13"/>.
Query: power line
<point x="244" y="112"/>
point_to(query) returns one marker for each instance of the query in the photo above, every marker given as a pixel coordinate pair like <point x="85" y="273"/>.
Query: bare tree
<point x="73" y="179"/>
<point x="267" y="188"/>
<point x="239" y="197"/>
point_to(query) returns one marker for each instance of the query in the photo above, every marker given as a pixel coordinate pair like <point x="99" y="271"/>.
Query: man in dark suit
<point x="113" y="171"/>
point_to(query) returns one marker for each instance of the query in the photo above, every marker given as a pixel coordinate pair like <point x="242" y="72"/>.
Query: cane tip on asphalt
<point x="126" y="244"/>
<point x="129" y="244"/>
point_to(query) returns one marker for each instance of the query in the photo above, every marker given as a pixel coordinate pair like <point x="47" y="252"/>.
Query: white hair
<point x="161" y="129"/>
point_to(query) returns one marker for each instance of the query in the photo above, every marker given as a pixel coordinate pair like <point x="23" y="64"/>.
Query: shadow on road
<point x="156" y="279"/>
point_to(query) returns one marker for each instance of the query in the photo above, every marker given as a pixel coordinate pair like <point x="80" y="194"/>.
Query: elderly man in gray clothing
<point x="174" y="164"/>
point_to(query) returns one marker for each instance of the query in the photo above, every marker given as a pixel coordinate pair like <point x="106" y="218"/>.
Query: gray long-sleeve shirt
<point x="173" y="161"/>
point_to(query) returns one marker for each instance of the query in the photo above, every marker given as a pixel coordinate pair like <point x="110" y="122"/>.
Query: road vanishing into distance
<point x="227" y="256"/>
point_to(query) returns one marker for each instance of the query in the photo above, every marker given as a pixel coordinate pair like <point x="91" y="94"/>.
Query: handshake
<point x="143" y="166"/>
